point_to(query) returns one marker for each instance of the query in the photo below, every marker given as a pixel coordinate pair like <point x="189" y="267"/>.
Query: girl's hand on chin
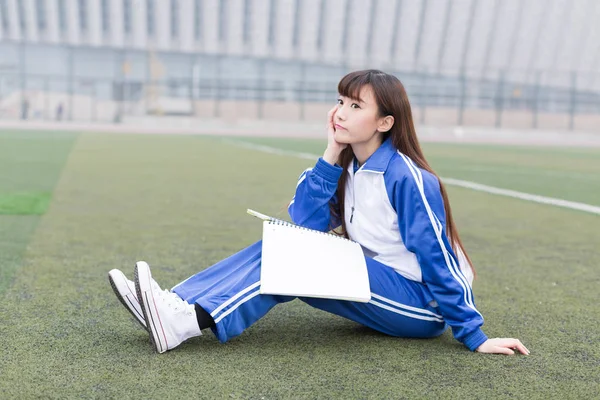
<point x="334" y="148"/>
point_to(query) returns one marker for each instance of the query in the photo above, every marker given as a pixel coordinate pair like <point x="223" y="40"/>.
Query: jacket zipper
<point x="353" y="197"/>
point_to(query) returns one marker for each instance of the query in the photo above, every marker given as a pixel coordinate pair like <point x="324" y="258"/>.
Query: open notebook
<point x="298" y="261"/>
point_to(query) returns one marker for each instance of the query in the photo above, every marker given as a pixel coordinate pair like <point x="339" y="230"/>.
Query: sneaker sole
<point x="146" y="297"/>
<point x="127" y="302"/>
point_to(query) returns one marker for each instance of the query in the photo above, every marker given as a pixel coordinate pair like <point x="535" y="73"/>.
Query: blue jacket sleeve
<point x="315" y="190"/>
<point x="421" y="219"/>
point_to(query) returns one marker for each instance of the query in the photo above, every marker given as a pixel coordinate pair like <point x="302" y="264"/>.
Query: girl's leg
<point x="398" y="306"/>
<point x="229" y="292"/>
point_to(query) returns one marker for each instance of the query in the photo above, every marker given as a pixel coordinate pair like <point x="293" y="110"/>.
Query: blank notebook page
<point x="297" y="261"/>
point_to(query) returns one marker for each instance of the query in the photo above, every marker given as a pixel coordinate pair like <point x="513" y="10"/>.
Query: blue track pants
<point x="229" y="291"/>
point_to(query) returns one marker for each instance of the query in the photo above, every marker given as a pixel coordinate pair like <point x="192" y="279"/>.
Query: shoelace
<point x="175" y="302"/>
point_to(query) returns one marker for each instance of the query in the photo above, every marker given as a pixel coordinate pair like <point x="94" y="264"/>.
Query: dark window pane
<point x="174" y="18"/>
<point x="150" y="12"/>
<point x="272" y="21"/>
<point x="222" y="20"/>
<point x="247" y="20"/>
<point x="22" y="19"/>
<point x="105" y="10"/>
<point x="83" y="13"/>
<point x="297" y="21"/>
<point x="198" y="19"/>
<point x="62" y="16"/>
<point x="4" y="12"/>
<point x="40" y="10"/>
<point x="127" y="16"/>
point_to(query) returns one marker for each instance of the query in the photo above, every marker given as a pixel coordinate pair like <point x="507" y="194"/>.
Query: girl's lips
<point x="339" y="127"/>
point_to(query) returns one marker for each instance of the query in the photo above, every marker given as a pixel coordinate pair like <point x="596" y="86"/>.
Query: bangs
<point x="351" y="84"/>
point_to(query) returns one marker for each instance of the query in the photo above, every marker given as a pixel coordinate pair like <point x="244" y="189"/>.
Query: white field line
<point x="523" y="196"/>
<point x="272" y="150"/>
<point x="448" y="181"/>
<point x="526" y="172"/>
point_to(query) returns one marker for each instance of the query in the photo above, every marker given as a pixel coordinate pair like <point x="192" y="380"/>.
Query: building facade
<point x="542" y="54"/>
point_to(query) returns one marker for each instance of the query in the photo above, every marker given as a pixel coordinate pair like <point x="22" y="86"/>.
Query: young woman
<point x="374" y="186"/>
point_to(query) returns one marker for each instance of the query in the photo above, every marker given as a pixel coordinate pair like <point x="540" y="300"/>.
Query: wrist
<point x="331" y="156"/>
<point x="475" y="339"/>
<point x="327" y="172"/>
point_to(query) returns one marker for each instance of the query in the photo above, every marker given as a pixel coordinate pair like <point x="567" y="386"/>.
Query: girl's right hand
<point x="334" y="148"/>
<point x="503" y="346"/>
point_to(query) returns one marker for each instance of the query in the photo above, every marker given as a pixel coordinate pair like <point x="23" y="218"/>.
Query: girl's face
<point x="357" y="120"/>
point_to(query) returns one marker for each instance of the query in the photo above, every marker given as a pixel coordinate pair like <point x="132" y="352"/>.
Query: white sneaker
<point x="170" y="319"/>
<point x="125" y="291"/>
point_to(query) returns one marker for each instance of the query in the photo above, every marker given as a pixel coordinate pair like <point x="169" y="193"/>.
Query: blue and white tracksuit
<point x="395" y="211"/>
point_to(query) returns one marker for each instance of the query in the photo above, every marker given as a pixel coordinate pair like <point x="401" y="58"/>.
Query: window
<point x="150" y="17"/>
<point x="321" y="26"/>
<point x="22" y="19"/>
<point x="40" y="13"/>
<point x="174" y="18"/>
<point x="198" y="19"/>
<point x="222" y="20"/>
<point x="247" y="20"/>
<point x="4" y="15"/>
<point x="83" y="20"/>
<point x="297" y="21"/>
<point x="62" y="16"/>
<point x="272" y="22"/>
<point x="347" y="21"/>
<point x="127" y="16"/>
<point x="104" y="9"/>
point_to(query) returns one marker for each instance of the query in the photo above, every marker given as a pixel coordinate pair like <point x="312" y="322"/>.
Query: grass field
<point x="73" y="206"/>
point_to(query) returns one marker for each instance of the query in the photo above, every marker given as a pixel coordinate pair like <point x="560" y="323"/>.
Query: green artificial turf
<point x="568" y="173"/>
<point x="24" y="203"/>
<point x="179" y="202"/>
<point x="30" y="165"/>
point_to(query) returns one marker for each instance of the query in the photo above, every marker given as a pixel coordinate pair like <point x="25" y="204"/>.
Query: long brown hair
<point x="391" y="100"/>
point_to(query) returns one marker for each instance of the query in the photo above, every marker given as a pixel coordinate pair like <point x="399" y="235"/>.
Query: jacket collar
<point x="379" y="160"/>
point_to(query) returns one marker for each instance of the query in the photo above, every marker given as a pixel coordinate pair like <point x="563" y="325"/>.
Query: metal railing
<point x="29" y="96"/>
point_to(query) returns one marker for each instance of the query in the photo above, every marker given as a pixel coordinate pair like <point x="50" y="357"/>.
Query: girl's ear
<point x="385" y="124"/>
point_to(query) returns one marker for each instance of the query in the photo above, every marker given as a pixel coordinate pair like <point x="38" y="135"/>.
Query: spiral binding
<point x="291" y="225"/>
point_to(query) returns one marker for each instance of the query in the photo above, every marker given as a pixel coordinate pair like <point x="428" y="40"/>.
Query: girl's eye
<point x="353" y="105"/>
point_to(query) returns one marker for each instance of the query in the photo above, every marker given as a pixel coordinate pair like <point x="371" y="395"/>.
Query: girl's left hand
<point x="502" y="346"/>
